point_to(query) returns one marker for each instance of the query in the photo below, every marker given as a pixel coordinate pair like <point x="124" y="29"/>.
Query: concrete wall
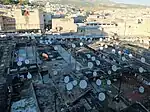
<point x="66" y="23"/>
<point x="35" y="20"/>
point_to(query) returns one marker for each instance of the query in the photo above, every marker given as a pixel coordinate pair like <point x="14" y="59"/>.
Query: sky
<point x="141" y="2"/>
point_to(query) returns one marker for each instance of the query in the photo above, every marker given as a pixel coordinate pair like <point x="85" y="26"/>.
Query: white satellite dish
<point x="117" y="43"/>
<point x="109" y="72"/>
<point x="69" y="86"/>
<point x="108" y="82"/>
<point x="114" y="68"/>
<point x="88" y="56"/>
<point x="130" y="55"/>
<point x="93" y="58"/>
<point x="123" y="58"/>
<point x="103" y="57"/>
<point x="19" y="63"/>
<point x="141" y="89"/>
<point x="81" y="44"/>
<point x="55" y="48"/>
<point x="55" y="72"/>
<point x="66" y="79"/>
<point x="89" y="40"/>
<point x="29" y="76"/>
<point x="97" y="62"/>
<point x="141" y="70"/>
<point x="90" y="65"/>
<point x="100" y="39"/>
<point x="74" y="82"/>
<point x="101" y="48"/>
<point x="73" y="46"/>
<point x="143" y="60"/>
<point x="98" y="82"/>
<point x="78" y="68"/>
<point x="27" y="61"/>
<point x="106" y="46"/>
<point x="94" y="74"/>
<point x="113" y="51"/>
<point x="83" y="84"/>
<point x="119" y="52"/>
<point x="101" y="96"/>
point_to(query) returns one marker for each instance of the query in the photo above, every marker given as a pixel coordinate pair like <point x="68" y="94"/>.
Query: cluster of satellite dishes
<point x="71" y="83"/>
<point x="26" y="61"/>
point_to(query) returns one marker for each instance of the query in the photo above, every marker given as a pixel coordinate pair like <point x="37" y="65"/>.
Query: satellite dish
<point x="27" y="61"/>
<point x="69" y="86"/>
<point x="109" y="72"/>
<point x="123" y="59"/>
<point x="97" y="62"/>
<point x="29" y="76"/>
<point x="89" y="40"/>
<point x="106" y="46"/>
<point x="81" y="44"/>
<point x="103" y="57"/>
<point x="101" y="48"/>
<point x="73" y="46"/>
<point x="55" y="48"/>
<point x="114" y="68"/>
<point x="113" y="51"/>
<point x="78" y="68"/>
<point x="101" y="96"/>
<point x="93" y="58"/>
<point x="83" y="84"/>
<point x="98" y="82"/>
<point x="88" y="56"/>
<point x="90" y="65"/>
<point x="100" y="39"/>
<point x="94" y="74"/>
<point x="55" y="72"/>
<point x="119" y="52"/>
<point x="19" y="63"/>
<point x="66" y="79"/>
<point x="141" y="70"/>
<point x="74" y="82"/>
<point x="117" y="43"/>
<point x="143" y="60"/>
<point x="108" y="82"/>
<point x="130" y="55"/>
<point x="141" y="89"/>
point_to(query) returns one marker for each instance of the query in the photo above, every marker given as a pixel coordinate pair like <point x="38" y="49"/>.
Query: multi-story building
<point x="64" y="25"/>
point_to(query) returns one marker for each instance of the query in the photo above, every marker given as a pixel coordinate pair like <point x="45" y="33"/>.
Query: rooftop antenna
<point x="74" y="82"/>
<point x="88" y="56"/>
<point x="27" y="62"/>
<point x="108" y="82"/>
<point x="29" y="76"/>
<point x="93" y="58"/>
<point x="114" y="68"/>
<point x="101" y="96"/>
<point x="109" y="72"/>
<point x="90" y="65"/>
<point x="97" y="62"/>
<point x="94" y="74"/>
<point x="66" y="79"/>
<point x="123" y="58"/>
<point x="69" y="86"/>
<point x="101" y="48"/>
<point x="141" y="70"/>
<point x="130" y="55"/>
<point x="98" y="82"/>
<point x="83" y="84"/>
<point x="113" y="51"/>
<point x="143" y="60"/>
<point x="141" y="89"/>
<point x="19" y="63"/>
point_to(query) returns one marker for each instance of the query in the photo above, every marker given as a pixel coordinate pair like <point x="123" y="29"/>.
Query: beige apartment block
<point x="34" y="20"/>
<point x="64" y="25"/>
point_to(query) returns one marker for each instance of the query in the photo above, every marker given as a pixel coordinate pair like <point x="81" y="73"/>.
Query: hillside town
<point x="63" y="58"/>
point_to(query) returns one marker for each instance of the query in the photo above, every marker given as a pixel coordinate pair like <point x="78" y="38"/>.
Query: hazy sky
<point x="142" y="2"/>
